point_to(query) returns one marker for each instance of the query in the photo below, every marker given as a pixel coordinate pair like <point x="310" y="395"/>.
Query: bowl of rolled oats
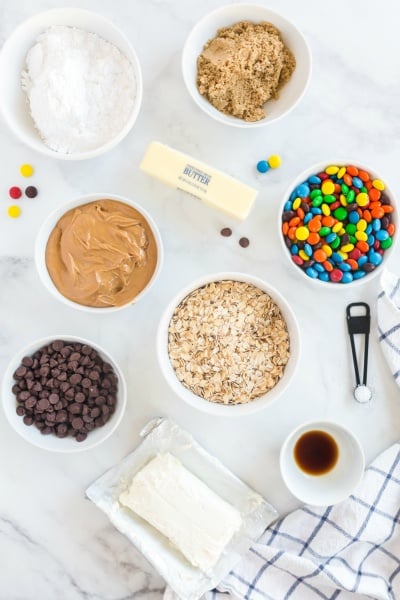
<point x="228" y="344"/>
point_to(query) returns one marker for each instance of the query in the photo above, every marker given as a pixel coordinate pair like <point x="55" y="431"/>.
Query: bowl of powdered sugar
<point x="71" y="83"/>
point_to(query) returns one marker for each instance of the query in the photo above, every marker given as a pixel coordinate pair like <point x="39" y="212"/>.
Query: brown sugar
<point x="242" y="67"/>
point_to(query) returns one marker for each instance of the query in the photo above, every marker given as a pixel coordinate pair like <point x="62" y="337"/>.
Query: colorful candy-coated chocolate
<point x="14" y="211"/>
<point x="26" y="170"/>
<point x="262" y="166"/>
<point x="274" y="161"/>
<point x="15" y="192"/>
<point x="337" y="224"/>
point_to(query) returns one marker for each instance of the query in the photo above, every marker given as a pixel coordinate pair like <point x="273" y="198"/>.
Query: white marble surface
<point x="53" y="542"/>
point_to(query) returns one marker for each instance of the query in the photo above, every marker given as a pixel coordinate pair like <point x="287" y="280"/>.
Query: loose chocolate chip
<point x="86" y="349"/>
<point x="100" y="400"/>
<point x="20" y="372"/>
<point x="75" y="378"/>
<point x="23" y="395"/>
<point x="27" y="361"/>
<point x="54" y="398"/>
<point x="31" y="402"/>
<point x="58" y="345"/>
<point x="46" y="430"/>
<point x="20" y="410"/>
<point x="15" y="389"/>
<point x="95" y="412"/>
<point x="226" y="232"/>
<point x="43" y="404"/>
<point x="80" y="397"/>
<point x="86" y="383"/>
<point x="244" y="242"/>
<point x="62" y="430"/>
<point x="28" y="420"/>
<point x="81" y="437"/>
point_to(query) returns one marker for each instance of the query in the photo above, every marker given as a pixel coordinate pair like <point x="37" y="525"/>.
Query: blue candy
<point x="288" y="205"/>
<point x="263" y="166"/>
<point x="294" y="249"/>
<point x="382" y="235"/>
<point x="376" y="225"/>
<point x="375" y="258"/>
<point x="357" y="182"/>
<point x="369" y="229"/>
<point x="318" y="267"/>
<point x="362" y="260"/>
<point x="316" y="210"/>
<point x="303" y="190"/>
<point x="371" y="240"/>
<point x="312" y="273"/>
<point x="314" y="179"/>
<point x="353" y="217"/>
<point x="347" y="277"/>
<point x="359" y="274"/>
<point x="323" y="276"/>
<point x="330" y="237"/>
<point x="336" y="257"/>
<point x="307" y="218"/>
<point x="345" y="267"/>
<point x="307" y="249"/>
<point x="293" y="196"/>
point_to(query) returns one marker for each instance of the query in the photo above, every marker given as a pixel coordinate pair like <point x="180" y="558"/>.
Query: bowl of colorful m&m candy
<point x="338" y="223"/>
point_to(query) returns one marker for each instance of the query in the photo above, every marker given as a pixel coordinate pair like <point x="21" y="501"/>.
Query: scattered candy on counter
<point x="338" y="223"/>
<point x="31" y="191"/>
<point x="26" y="170"/>
<point x="15" y="192"/>
<point x="226" y="232"/>
<point x="273" y="162"/>
<point x="244" y="242"/>
<point x="13" y="211"/>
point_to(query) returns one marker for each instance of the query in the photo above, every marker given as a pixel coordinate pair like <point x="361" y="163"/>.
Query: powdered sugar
<point x="81" y="89"/>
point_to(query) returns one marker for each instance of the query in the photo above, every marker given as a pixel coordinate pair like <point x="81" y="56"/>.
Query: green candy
<point x="353" y="240"/>
<point x="344" y="188"/>
<point x="315" y="193"/>
<point x="340" y="213"/>
<point x="317" y="201"/>
<point x="324" y="231"/>
<point x="364" y="190"/>
<point x="329" y="199"/>
<point x="336" y="243"/>
<point x="350" y="228"/>
<point x="385" y="244"/>
<point x="350" y="196"/>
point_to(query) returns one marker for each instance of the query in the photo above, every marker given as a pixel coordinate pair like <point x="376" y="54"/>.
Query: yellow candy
<point x="13" y="211"/>
<point x="361" y="236"/>
<point x="327" y="249"/>
<point x="362" y="199"/>
<point x="342" y="230"/>
<point x="303" y="255"/>
<point x="337" y="227"/>
<point x="296" y="203"/>
<point x="325" y="210"/>
<point x="302" y="233"/>
<point x="344" y="255"/>
<point x="343" y="200"/>
<point x="328" y="187"/>
<point x="341" y="172"/>
<point x="347" y="248"/>
<point x="378" y="184"/>
<point x="26" y="170"/>
<point x="332" y="170"/>
<point x="274" y="161"/>
<point x="362" y="225"/>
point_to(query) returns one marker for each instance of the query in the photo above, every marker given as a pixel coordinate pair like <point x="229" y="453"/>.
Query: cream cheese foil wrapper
<point x="163" y="435"/>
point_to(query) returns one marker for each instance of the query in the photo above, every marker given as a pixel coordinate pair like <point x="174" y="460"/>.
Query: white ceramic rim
<point x="49" y="224"/>
<point x="235" y="410"/>
<point x="42" y="441"/>
<point x="318" y="167"/>
<point x="215" y="113"/>
<point x="133" y="58"/>
<point x="323" y="425"/>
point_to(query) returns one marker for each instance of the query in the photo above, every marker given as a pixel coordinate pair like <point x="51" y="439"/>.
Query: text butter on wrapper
<point x="199" y="179"/>
<point x="182" y="507"/>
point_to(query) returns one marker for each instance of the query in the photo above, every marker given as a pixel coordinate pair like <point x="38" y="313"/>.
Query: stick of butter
<point x="206" y="183"/>
<point x="183" y="508"/>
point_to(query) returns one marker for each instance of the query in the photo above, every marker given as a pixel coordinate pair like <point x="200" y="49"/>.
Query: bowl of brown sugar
<point x="228" y="344"/>
<point x="245" y="65"/>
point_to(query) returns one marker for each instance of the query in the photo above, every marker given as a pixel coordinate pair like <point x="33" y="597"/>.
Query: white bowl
<point x="206" y="29"/>
<point x="13" y="102"/>
<point x="339" y="482"/>
<point x="317" y="168"/>
<point x="213" y="408"/>
<point x="50" y="442"/>
<point x="50" y="223"/>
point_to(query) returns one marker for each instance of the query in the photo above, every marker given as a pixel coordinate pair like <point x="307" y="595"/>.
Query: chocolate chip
<point x="86" y="349"/>
<point x="20" y="372"/>
<point x="86" y="383"/>
<point x="27" y="361"/>
<point x="77" y="423"/>
<point x="75" y="408"/>
<point x="61" y="416"/>
<point x="244" y="242"/>
<point x="75" y="378"/>
<point x="43" y="404"/>
<point x="62" y="430"/>
<point x="81" y="437"/>
<point x="31" y="402"/>
<point x="226" y="232"/>
<point x="20" y="410"/>
<point x="80" y="397"/>
<point x="28" y="420"/>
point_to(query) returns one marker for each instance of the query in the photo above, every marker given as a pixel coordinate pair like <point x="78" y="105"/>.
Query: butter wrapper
<point x="160" y="436"/>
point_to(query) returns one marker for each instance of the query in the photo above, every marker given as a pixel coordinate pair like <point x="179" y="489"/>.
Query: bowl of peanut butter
<point x="99" y="253"/>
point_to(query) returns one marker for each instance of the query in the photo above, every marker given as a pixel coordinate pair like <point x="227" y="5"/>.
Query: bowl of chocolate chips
<point x="64" y="394"/>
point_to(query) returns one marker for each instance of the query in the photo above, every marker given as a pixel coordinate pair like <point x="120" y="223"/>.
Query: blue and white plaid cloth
<point x="388" y="318"/>
<point x="347" y="551"/>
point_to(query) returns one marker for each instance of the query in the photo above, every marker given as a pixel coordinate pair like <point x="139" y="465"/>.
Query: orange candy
<point x="363" y="175"/>
<point x="362" y="246"/>
<point x="300" y="213"/>
<point x="313" y="238"/>
<point x="294" y="222"/>
<point x="347" y="179"/>
<point x="320" y="255"/>
<point x="291" y="233"/>
<point x="367" y="216"/>
<point x="315" y="224"/>
<point x="377" y="213"/>
<point x="328" y="266"/>
<point x="391" y="229"/>
<point x="353" y="171"/>
<point x="285" y="228"/>
<point x="387" y="208"/>
<point x="328" y="221"/>
<point x="352" y="263"/>
<point x="374" y="194"/>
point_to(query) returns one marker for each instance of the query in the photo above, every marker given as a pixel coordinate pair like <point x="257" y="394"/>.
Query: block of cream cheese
<point x="195" y="519"/>
<point x="195" y="177"/>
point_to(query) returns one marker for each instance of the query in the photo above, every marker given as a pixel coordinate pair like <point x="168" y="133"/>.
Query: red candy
<point x="15" y="192"/>
<point x="336" y="275"/>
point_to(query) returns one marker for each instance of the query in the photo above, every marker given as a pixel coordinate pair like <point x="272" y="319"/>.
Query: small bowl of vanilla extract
<point x="321" y="463"/>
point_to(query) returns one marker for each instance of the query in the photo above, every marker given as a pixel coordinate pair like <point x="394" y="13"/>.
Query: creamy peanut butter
<point x="101" y="254"/>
